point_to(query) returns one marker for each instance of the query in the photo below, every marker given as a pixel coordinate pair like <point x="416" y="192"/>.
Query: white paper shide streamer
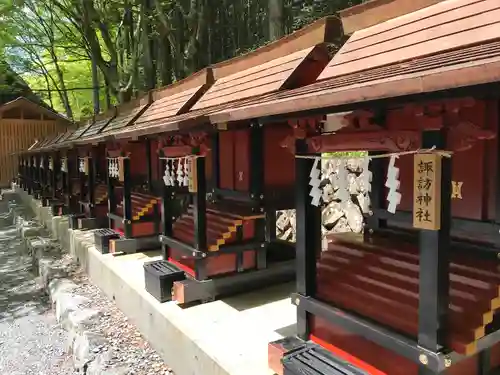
<point x="392" y="182"/>
<point x="366" y="178"/>
<point x="64" y="165"/>
<point x="180" y="172"/>
<point x="81" y="165"/>
<point x="314" y="181"/>
<point x="187" y="171"/>
<point x="51" y="164"/>
<point x="177" y="171"/>
<point x="168" y="177"/>
<point x="342" y="182"/>
<point x="41" y="162"/>
<point x="113" y="168"/>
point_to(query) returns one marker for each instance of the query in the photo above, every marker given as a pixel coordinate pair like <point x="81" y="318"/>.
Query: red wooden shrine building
<point x="157" y="173"/>
<point x="400" y="300"/>
<point x="397" y="300"/>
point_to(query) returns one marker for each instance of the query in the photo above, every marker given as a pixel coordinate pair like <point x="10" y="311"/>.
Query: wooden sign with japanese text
<point x="193" y="175"/>
<point x="64" y="165"/>
<point x="86" y="166"/>
<point x="121" y="170"/>
<point x="427" y="191"/>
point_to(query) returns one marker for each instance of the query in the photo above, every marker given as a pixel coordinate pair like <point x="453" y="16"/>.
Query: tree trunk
<point x="276" y="29"/>
<point x="148" y="46"/>
<point x="165" y="61"/>
<point x="95" y="87"/>
<point x="108" y="95"/>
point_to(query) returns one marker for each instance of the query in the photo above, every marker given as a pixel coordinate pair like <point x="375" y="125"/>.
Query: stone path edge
<point x="162" y="332"/>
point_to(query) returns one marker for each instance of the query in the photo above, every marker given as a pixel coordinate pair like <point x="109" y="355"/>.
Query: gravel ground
<point x="30" y="340"/>
<point x="128" y="346"/>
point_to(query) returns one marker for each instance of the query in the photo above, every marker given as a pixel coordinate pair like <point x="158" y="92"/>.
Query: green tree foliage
<point x="12" y="85"/>
<point x="83" y="55"/>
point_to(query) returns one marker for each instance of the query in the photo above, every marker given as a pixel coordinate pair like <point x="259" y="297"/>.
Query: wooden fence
<point x="17" y="135"/>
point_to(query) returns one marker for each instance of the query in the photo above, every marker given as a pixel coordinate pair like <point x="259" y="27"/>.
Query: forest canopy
<point x="12" y="85"/>
<point x="83" y="56"/>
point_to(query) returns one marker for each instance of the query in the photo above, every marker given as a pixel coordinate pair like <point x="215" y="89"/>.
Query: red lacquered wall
<point x="375" y="356"/>
<point x="138" y="159"/>
<point x="279" y="161"/>
<point x="235" y="156"/>
<point x="234" y="160"/>
<point x="377" y="360"/>
<point x="473" y="167"/>
<point x="155" y="161"/>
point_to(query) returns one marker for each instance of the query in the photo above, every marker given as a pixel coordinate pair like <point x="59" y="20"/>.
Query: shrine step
<point x="160" y="276"/>
<point x="220" y="216"/>
<point x="101" y="189"/>
<point x="141" y="205"/>
<point x="380" y="280"/>
<point x="187" y="236"/>
<point x="102" y="238"/>
<point x="218" y="232"/>
<point x="144" y="196"/>
<point x="214" y="232"/>
<point x="138" y="211"/>
<point x="312" y="359"/>
<point x="188" y="220"/>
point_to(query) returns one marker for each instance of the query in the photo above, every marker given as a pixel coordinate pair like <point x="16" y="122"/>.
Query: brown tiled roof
<point x="54" y="140"/>
<point x="184" y="120"/>
<point x="38" y="107"/>
<point x="168" y="106"/>
<point x="169" y="101"/>
<point x="45" y="141"/>
<point x="99" y="124"/>
<point x="372" y="12"/>
<point x="34" y="145"/>
<point x="255" y="81"/>
<point x="238" y="89"/>
<point x="80" y="131"/>
<point x="325" y="30"/>
<point x="66" y="135"/>
<point x="125" y="119"/>
<point x="465" y="65"/>
<point x="60" y="141"/>
<point x="445" y="26"/>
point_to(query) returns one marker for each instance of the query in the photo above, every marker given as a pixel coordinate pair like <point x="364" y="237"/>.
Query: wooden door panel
<point x="241" y="160"/>
<point x="226" y="160"/>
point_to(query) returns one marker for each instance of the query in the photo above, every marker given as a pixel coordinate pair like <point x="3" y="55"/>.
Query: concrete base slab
<point x="4" y="205"/>
<point x="91" y="223"/>
<point x="224" y="337"/>
<point x="228" y="336"/>
<point x="133" y="245"/>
